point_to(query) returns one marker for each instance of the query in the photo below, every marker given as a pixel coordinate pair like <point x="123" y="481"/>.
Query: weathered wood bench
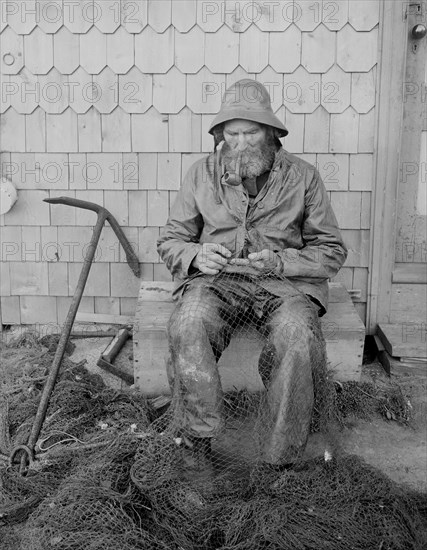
<point x="342" y="327"/>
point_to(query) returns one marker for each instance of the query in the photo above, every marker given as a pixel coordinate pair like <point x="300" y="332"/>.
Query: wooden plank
<point x="147" y="238"/>
<point x="158" y="208"/>
<point x="318" y="50"/>
<point x="147" y="171"/>
<point x="103" y="171"/>
<point x="210" y="15"/>
<point x="78" y="17"/>
<point x="239" y="14"/>
<point x="335" y="90"/>
<point x="288" y="41"/>
<point x="269" y="17"/>
<point x="347" y="208"/>
<point x="413" y="273"/>
<point x="137" y="208"/>
<point x="305" y="15"/>
<point x="295" y="123"/>
<point x="38" y="51"/>
<point x="117" y="203"/>
<point x="408" y="303"/>
<point x="103" y="318"/>
<point x="388" y="131"/>
<point x="29" y="278"/>
<point x="404" y="339"/>
<point x="51" y="15"/>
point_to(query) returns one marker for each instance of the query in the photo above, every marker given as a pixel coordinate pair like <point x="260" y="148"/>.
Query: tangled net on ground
<point x="112" y="472"/>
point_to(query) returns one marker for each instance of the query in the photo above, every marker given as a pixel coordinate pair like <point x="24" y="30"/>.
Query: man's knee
<point x="296" y="323"/>
<point x="192" y="312"/>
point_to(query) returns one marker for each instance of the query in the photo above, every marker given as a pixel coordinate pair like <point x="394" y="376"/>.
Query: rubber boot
<point x="197" y="459"/>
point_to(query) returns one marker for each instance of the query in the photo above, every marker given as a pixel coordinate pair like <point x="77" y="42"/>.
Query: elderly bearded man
<point x="251" y="235"/>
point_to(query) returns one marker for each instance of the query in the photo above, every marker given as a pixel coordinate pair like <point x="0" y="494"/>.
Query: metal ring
<point x="8" y="59"/>
<point x="29" y="452"/>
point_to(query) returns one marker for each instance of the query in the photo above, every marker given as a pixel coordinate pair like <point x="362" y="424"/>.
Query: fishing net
<point x="217" y="466"/>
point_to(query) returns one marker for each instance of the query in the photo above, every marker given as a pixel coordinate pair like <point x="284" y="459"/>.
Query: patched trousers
<point x="201" y="327"/>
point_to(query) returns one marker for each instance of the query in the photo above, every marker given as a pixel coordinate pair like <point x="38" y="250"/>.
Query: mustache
<point x="254" y="159"/>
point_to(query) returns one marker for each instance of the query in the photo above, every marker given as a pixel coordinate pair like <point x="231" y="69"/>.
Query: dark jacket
<point x="291" y="215"/>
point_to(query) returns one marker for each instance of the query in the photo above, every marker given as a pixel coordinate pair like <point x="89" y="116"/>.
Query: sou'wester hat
<point x="248" y="99"/>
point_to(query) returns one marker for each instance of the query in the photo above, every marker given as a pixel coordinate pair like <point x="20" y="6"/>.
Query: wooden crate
<point x="342" y="327"/>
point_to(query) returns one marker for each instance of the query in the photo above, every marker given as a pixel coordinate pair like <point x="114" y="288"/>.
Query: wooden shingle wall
<point x="110" y="101"/>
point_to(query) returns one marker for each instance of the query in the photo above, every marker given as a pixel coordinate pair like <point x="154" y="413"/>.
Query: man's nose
<point x="242" y="142"/>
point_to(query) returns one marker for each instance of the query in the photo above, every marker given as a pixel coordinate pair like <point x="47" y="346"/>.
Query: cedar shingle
<point x="12" y="61"/>
<point x="135" y="91"/>
<point x="159" y="14"/>
<point x="93" y="51"/>
<point x="66" y="51"/>
<point x="106" y="84"/>
<point x="301" y="91"/>
<point x="204" y="91"/>
<point x="54" y="96"/>
<point x="318" y="50"/>
<point x="25" y="91"/>
<point x="120" y="51"/>
<point x="116" y="136"/>
<point x="335" y="93"/>
<point x="149" y="132"/>
<point x="222" y="50"/>
<point x="169" y="91"/>
<point x="80" y="91"/>
<point x="254" y="49"/>
<point x="285" y="49"/>
<point x="190" y="50"/>
<point x="363" y="91"/>
<point x="38" y="51"/>
<point x="184" y="14"/>
<point x="344" y="132"/>
<point x="61" y="132"/>
<point x="89" y="129"/>
<point x="154" y="52"/>
<point x="356" y="51"/>
<point x="364" y="16"/>
<point x="185" y="132"/>
<point x="107" y="16"/>
<point x="21" y="16"/>
<point x="134" y="15"/>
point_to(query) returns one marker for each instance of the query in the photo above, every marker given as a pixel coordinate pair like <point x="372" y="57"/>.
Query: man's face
<point x="240" y="134"/>
<point x="249" y="140"/>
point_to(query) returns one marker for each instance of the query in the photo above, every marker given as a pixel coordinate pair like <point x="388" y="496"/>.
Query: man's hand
<point x="211" y="259"/>
<point x="266" y="260"/>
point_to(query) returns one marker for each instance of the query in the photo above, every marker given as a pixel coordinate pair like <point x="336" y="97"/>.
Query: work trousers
<point x="201" y="327"/>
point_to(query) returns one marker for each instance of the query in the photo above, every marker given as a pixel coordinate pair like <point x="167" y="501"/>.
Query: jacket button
<point x="260" y="205"/>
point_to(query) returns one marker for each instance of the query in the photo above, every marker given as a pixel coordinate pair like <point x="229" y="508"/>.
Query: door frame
<point x="393" y="44"/>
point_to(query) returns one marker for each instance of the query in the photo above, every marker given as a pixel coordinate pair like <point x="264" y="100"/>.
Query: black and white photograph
<point x="213" y="274"/>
